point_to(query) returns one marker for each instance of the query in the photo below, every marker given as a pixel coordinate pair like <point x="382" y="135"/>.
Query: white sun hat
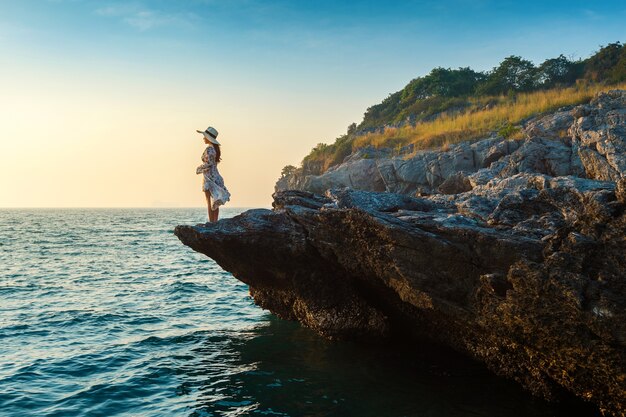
<point x="210" y="134"/>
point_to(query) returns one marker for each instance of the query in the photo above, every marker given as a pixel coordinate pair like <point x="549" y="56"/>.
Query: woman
<point x="213" y="183"/>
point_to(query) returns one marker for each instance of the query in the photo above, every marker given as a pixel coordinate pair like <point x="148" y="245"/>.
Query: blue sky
<point x="277" y="77"/>
<point x="343" y="44"/>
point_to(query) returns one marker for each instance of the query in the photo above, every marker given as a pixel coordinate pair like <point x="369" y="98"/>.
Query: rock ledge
<point x="520" y="264"/>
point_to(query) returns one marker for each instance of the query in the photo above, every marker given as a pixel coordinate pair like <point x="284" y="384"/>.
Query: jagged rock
<point x="455" y="184"/>
<point x="543" y="156"/>
<point x="553" y="126"/>
<point x="620" y="190"/>
<point x="357" y="173"/>
<point x="586" y="141"/>
<point x="520" y="266"/>
<point x="600" y="134"/>
<point x="535" y="289"/>
<point x="373" y="202"/>
<point x="300" y="198"/>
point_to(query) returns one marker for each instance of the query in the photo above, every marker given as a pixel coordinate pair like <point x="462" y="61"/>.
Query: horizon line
<point x="124" y="207"/>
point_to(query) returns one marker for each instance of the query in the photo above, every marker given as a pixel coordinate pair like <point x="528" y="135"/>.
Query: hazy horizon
<point x="101" y="99"/>
<point x="229" y="207"/>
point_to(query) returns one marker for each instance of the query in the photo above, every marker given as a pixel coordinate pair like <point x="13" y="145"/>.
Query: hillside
<point x="453" y="105"/>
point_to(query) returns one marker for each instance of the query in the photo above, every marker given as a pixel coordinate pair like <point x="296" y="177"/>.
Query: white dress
<point x="212" y="180"/>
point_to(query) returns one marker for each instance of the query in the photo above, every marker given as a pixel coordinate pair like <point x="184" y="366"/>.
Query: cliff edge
<point x="511" y="252"/>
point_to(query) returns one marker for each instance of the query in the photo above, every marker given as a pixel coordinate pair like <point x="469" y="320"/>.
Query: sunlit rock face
<point x="585" y="141"/>
<point x="517" y="260"/>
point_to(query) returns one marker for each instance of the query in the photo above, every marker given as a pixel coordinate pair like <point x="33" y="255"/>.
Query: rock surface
<point x="515" y="257"/>
<point x="585" y="141"/>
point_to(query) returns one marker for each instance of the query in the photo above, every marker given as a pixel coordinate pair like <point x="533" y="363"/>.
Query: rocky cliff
<point x="512" y="252"/>
<point x="583" y="142"/>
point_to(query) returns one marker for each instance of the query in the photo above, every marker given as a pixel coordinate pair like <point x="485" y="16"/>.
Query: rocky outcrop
<point x="583" y="141"/>
<point x="516" y="261"/>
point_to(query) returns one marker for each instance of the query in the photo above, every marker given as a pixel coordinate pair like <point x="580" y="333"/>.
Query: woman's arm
<point x="202" y="168"/>
<point x="209" y="157"/>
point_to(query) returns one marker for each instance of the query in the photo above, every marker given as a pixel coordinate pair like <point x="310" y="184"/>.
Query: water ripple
<point x="105" y="313"/>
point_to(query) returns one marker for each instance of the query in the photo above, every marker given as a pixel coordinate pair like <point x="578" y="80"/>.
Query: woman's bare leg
<point x="213" y="214"/>
<point x="208" y="202"/>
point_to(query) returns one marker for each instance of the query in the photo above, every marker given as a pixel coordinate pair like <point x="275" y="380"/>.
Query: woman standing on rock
<point x="212" y="183"/>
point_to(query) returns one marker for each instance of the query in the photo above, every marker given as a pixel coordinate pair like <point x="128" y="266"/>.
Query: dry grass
<point x="480" y="119"/>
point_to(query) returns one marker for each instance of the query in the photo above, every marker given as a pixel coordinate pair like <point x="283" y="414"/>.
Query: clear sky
<point x="100" y="99"/>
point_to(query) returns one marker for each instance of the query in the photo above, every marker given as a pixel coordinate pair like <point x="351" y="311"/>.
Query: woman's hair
<point x="218" y="153"/>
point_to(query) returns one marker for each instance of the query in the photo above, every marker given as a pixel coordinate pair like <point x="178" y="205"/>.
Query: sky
<point x="100" y="99"/>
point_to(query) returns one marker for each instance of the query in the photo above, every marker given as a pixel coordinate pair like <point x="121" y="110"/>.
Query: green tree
<point x="604" y="65"/>
<point x="380" y="114"/>
<point x="558" y="71"/>
<point x="288" y="170"/>
<point x="442" y="82"/>
<point x="618" y="72"/>
<point x="513" y="73"/>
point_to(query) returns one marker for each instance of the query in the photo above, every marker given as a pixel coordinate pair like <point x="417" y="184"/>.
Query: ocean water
<point x="103" y="312"/>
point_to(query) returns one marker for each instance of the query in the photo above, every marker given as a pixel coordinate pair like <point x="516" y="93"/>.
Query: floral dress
<point x="212" y="180"/>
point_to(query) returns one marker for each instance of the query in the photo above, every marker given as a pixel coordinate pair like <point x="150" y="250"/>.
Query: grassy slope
<point x="479" y="120"/>
<point x="443" y="120"/>
<point x="482" y="117"/>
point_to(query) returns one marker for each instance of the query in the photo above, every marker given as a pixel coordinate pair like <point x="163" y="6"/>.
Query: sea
<point x="103" y="312"/>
